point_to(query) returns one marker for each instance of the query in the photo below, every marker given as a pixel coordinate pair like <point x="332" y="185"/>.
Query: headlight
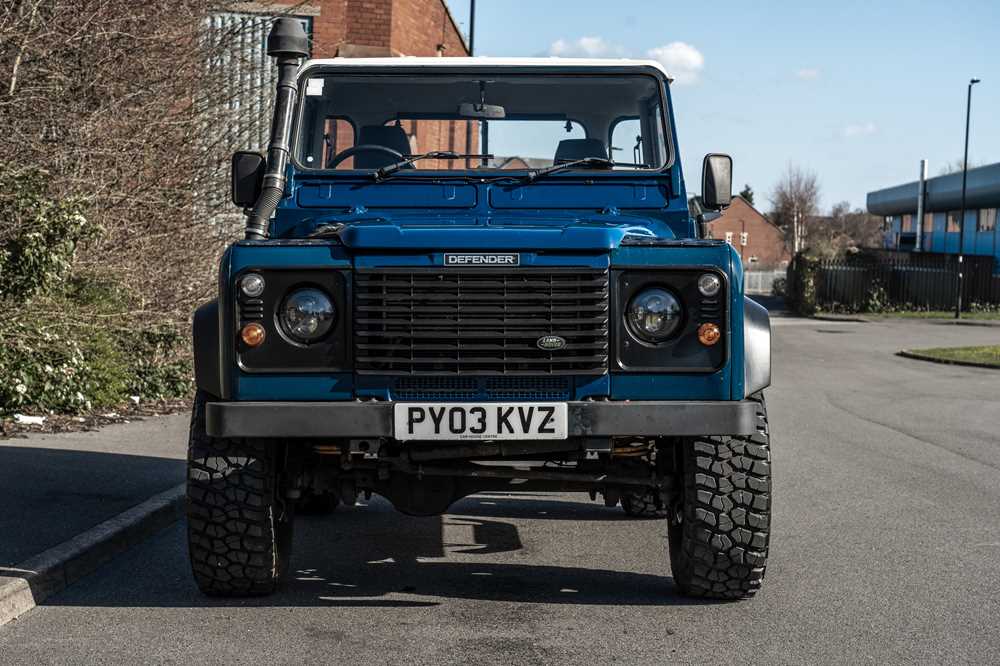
<point x="307" y="315"/>
<point x="252" y="285"/>
<point x="709" y="284"/>
<point x="653" y="314"/>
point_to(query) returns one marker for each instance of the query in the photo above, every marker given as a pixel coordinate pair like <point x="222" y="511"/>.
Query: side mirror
<point x="716" y="181"/>
<point x="247" y="178"/>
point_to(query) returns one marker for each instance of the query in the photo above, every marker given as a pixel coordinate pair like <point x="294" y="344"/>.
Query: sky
<point x="858" y="92"/>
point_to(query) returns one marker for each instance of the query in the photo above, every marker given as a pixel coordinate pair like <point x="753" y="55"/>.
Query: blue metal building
<point x="938" y="231"/>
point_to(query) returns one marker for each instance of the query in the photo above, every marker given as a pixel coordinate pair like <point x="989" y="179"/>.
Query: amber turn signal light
<point x="709" y="334"/>
<point x="252" y="335"/>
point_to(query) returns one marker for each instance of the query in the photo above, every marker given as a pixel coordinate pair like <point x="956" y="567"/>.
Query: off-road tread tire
<point x="237" y="545"/>
<point x="720" y="548"/>
<point x="642" y="505"/>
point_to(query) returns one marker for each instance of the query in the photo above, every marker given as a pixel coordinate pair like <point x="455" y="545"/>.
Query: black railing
<point x="922" y="281"/>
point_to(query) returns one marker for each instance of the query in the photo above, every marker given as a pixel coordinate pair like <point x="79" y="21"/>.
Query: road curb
<point x="846" y="318"/>
<point x="943" y="361"/>
<point x="33" y="580"/>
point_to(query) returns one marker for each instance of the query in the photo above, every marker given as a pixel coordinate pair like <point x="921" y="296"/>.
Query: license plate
<point x="490" y="420"/>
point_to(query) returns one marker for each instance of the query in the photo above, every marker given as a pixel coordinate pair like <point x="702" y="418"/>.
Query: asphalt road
<point x="886" y="549"/>
<point x="53" y="487"/>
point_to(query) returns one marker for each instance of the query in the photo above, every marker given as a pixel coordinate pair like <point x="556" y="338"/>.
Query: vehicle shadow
<point x="534" y="507"/>
<point x="372" y="556"/>
<point x="49" y="495"/>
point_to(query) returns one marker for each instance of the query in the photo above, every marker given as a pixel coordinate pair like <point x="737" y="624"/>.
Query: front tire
<point x="239" y="525"/>
<point x="719" y="549"/>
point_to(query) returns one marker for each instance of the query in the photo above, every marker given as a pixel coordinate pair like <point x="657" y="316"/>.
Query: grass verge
<point x="983" y="356"/>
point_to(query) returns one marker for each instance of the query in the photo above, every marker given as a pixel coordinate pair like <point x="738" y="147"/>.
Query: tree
<point x="842" y="231"/>
<point x="747" y="193"/>
<point x="795" y="199"/>
<point x="956" y="167"/>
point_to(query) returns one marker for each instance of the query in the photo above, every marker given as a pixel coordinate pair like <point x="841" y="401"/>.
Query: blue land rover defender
<point x="453" y="265"/>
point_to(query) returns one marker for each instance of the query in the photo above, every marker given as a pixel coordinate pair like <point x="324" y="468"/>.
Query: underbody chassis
<point x="346" y="449"/>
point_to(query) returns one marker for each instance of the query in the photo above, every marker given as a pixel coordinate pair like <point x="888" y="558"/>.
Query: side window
<point x="928" y="223"/>
<point x="907" y="224"/>
<point x="626" y="142"/>
<point x="338" y="136"/>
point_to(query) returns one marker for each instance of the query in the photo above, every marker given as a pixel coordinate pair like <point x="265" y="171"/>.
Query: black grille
<point x="480" y="322"/>
<point x="482" y="388"/>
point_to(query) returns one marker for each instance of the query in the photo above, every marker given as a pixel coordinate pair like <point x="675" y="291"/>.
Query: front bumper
<point x="375" y="419"/>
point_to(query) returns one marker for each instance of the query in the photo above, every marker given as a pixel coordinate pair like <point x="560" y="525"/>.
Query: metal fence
<point x="245" y="80"/>
<point x="904" y="280"/>
<point x="761" y="282"/>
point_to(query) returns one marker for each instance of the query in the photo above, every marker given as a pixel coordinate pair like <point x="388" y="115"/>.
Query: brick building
<point x="378" y="29"/>
<point x="337" y="28"/>
<point x="381" y="28"/>
<point x="758" y="240"/>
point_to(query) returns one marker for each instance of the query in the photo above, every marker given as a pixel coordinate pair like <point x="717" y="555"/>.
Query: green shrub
<point x="155" y="369"/>
<point x="67" y="353"/>
<point x="876" y="299"/>
<point x="801" y="284"/>
<point x="38" y="236"/>
<point x="70" y="343"/>
<point x="51" y="362"/>
<point x="779" y="287"/>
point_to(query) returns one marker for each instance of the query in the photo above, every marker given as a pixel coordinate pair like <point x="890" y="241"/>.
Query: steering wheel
<point x="363" y="148"/>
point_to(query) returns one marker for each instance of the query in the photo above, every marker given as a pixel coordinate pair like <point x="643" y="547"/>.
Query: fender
<point x="205" y="337"/>
<point x="756" y="347"/>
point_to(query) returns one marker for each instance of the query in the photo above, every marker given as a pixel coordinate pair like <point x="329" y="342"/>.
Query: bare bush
<point x="125" y="107"/>
<point x="129" y="110"/>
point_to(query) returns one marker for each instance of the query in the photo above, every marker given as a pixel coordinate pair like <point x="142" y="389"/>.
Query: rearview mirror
<point x="247" y="178"/>
<point x="716" y="181"/>
<point x="487" y="111"/>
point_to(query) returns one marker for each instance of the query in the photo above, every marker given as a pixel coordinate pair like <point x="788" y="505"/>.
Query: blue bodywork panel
<point x="609" y="220"/>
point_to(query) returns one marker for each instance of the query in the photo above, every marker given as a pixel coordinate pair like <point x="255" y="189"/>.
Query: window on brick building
<point x="952" y="224"/>
<point x="987" y="219"/>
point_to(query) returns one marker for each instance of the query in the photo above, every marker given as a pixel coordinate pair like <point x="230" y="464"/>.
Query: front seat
<point x="390" y="136"/>
<point x="578" y="149"/>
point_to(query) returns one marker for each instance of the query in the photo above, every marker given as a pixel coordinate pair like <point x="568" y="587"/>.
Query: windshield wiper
<point x="588" y="162"/>
<point x="382" y="173"/>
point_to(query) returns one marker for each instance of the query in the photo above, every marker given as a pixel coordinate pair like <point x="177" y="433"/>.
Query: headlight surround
<point x="654" y="314"/>
<point x="307" y="314"/>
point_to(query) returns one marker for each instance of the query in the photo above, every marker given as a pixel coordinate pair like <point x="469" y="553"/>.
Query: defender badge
<point x="551" y="342"/>
<point x="479" y="259"/>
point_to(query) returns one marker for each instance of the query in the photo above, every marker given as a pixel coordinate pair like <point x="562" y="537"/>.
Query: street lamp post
<point x="961" y="218"/>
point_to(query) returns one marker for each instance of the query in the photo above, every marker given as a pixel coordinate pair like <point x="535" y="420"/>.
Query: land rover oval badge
<point x="551" y="342"/>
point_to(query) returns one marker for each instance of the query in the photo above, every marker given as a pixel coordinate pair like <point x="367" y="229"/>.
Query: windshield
<point x="501" y="121"/>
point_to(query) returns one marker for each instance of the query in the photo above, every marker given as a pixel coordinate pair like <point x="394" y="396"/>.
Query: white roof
<point x="480" y="62"/>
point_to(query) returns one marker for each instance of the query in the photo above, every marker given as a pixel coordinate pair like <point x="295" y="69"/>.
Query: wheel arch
<point x="207" y="352"/>
<point x="756" y="347"/>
